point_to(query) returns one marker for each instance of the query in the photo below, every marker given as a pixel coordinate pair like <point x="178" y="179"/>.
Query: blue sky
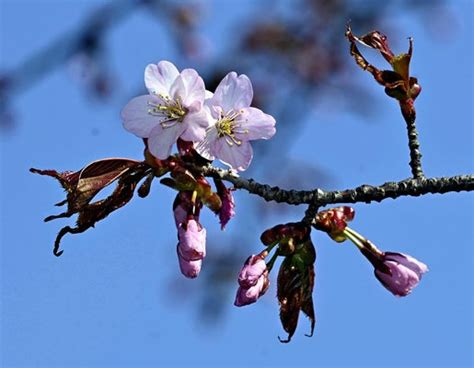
<point x="115" y="297"/>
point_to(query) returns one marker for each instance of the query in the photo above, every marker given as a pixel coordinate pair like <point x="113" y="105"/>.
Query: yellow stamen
<point x="171" y="111"/>
<point x="227" y="127"/>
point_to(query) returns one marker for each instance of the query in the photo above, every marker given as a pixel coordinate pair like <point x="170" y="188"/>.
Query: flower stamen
<point x="171" y="111"/>
<point x="227" y="127"/>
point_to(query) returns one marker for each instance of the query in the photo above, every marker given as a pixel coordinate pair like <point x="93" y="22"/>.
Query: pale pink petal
<point x="401" y="281"/>
<point x="246" y="296"/>
<point x="407" y="261"/>
<point x="190" y="269"/>
<point x="255" y="124"/>
<point x="159" y="77"/>
<point x="233" y="92"/>
<point x="189" y="88"/>
<point x="227" y="210"/>
<point x="236" y="156"/>
<point x="162" y="139"/>
<point x="196" y="124"/>
<point x="252" y="270"/>
<point x="208" y="95"/>
<point x="204" y="148"/>
<point x="192" y="241"/>
<point x="136" y="118"/>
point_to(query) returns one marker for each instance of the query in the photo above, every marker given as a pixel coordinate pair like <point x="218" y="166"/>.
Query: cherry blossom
<point x="234" y="123"/>
<point x="171" y="110"/>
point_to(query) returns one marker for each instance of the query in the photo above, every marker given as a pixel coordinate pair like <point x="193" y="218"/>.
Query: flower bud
<point x="334" y="221"/>
<point x="246" y="296"/>
<point x="192" y="240"/>
<point x="400" y="274"/>
<point x="226" y="211"/>
<point x="253" y="280"/>
<point x="253" y="268"/>
<point x="292" y="230"/>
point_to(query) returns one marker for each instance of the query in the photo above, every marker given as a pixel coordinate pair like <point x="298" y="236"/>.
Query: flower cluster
<point x="206" y="126"/>
<point x="220" y="124"/>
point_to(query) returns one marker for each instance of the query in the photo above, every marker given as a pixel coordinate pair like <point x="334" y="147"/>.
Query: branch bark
<point x="362" y="194"/>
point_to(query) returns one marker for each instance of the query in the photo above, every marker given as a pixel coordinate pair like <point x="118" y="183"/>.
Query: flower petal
<point x="190" y="269"/>
<point x="204" y="148"/>
<point x="253" y="269"/>
<point x="196" y="125"/>
<point x="136" y="118"/>
<point x="236" y="156"/>
<point x="159" y="77"/>
<point x="407" y="261"/>
<point x="246" y="296"/>
<point x="162" y="139"/>
<point x="401" y="281"/>
<point x="233" y="92"/>
<point x="192" y="241"/>
<point x="189" y="88"/>
<point x="256" y="124"/>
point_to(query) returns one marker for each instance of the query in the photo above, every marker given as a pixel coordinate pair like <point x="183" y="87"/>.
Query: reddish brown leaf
<point x="83" y="185"/>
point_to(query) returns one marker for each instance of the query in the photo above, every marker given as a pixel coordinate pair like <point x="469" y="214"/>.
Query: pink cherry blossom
<point x="234" y="123"/>
<point x="172" y="109"/>
<point x="401" y="273"/>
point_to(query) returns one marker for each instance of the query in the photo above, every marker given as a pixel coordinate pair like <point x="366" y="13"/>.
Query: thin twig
<point x="414" y="145"/>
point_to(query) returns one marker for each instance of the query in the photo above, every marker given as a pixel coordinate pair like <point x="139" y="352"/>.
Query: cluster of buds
<point x="191" y="248"/>
<point x="399" y="273"/>
<point x="194" y="192"/>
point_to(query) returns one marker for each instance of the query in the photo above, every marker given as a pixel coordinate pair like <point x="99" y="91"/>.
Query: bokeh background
<point x="116" y="297"/>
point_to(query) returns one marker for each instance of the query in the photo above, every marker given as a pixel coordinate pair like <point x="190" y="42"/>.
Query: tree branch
<point x="362" y="194"/>
<point x="414" y="145"/>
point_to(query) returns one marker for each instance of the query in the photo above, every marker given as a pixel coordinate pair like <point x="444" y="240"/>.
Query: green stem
<point x="353" y="239"/>
<point x="360" y="241"/>
<point x="272" y="260"/>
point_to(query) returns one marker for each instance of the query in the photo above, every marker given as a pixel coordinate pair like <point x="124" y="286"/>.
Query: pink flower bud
<point x="190" y="269"/>
<point x="253" y="280"/>
<point x="246" y="296"/>
<point x="192" y="240"/>
<point x="252" y="270"/>
<point x="227" y="210"/>
<point x="400" y="273"/>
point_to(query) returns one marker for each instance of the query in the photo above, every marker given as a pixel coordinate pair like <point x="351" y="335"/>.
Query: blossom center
<point x="170" y="110"/>
<point x="227" y="127"/>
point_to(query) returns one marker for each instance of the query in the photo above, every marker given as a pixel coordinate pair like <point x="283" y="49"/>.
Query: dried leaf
<point x="83" y="185"/>
<point x="295" y="287"/>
